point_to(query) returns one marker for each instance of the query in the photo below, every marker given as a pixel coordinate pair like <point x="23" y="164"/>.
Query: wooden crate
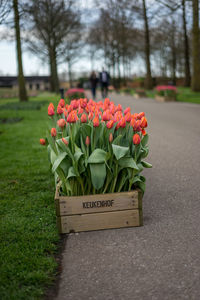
<point x="101" y="211"/>
<point x="164" y="98"/>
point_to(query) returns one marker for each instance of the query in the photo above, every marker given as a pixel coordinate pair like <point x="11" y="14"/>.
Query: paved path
<point x="160" y="260"/>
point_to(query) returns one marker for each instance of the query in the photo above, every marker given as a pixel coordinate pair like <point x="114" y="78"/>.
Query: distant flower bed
<point x="166" y="90"/>
<point x="75" y="93"/>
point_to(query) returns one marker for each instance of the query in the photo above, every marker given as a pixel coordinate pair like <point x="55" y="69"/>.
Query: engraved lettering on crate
<point x="92" y="204"/>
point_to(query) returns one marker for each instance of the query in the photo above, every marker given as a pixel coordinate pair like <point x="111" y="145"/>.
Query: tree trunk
<point x="186" y="48"/>
<point x="21" y="80"/>
<point x="147" y="48"/>
<point x="53" y="70"/>
<point x="69" y="73"/>
<point x="173" y="49"/>
<point x="195" y="47"/>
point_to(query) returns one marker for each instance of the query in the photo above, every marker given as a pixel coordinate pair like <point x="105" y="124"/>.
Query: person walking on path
<point x="104" y="81"/>
<point x="93" y="83"/>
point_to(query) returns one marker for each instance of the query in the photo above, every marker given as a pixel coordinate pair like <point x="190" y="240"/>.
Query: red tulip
<point x="80" y="110"/>
<point x="59" y="110"/>
<point x="128" y="117"/>
<point x="61" y="123"/>
<point x="106" y="115"/>
<point x="110" y="124"/>
<point x="83" y="118"/>
<point x="122" y="123"/>
<point x="42" y="142"/>
<point x="53" y="132"/>
<point x="136" y="139"/>
<point x="51" y="105"/>
<point x="127" y="110"/>
<point x="140" y="115"/>
<point x="61" y="102"/>
<point x="96" y="121"/>
<point x="143" y="132"/>
<point x="143" y="122"/>
<point x="72" y="117"/>
<point x="90" y="116"/>
<point x="87" y="141"/>
<point x="50" y="111"/>
<point x="65" y="141"/>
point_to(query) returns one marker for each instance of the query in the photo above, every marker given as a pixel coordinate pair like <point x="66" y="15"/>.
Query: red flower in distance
<point x="87" y="141"/>
<point x="42" y="142"/>
<point x="61" y="102"/>
<point x="59" y="110"/>
<point x="83" y="118"/>
<point x="136" y="139"/>
<point x="53" y="132"/>
<point x="65" y="141"/>
<point x="61" y="123"/>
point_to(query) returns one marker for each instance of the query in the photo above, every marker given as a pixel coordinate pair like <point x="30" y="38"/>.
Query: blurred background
<point x="56" y="44"/>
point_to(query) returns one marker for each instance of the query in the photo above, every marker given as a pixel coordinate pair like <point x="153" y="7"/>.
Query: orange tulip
<point x="72" y="117"/>
<point x="53" y="132"/>
<point x="65" y="141"/>
<point x="110" y="124"/>
<point x="127" y="110"/>
<point x="143" y="132"/>
<point x="96" y="121"/>
<point x="128" y="117"/>
<point x="90" y="116"/>
<point x="144" y="122"/>
<point x="140" y="115"/>
<point x="42" y="142"/>
<point x="83" y="118"/>
<point x="122" y="123"/>
<point x="136" y="139"/>
<point x="106" y="115"/>
<point x="61" y="123"/>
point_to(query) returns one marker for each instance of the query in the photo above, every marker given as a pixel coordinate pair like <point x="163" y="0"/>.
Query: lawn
<point x="28" y="233"/>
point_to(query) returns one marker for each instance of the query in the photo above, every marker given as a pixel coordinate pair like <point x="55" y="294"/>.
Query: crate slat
<point x="97" y="221"/>
<point x="98" y="203"/>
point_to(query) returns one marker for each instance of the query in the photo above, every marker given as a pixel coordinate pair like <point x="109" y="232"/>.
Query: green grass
<point x="28" y="233"/>
<point x="186" y="95"/>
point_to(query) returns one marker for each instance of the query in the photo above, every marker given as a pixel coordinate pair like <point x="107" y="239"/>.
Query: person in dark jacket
<point x="104" y="78"/>
<point x="93" y="83"/>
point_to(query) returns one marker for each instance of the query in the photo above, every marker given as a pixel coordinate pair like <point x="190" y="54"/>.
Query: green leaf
<point x="119" y="151"/>
<point x="98" y="175"/>
<point x="128" y="162"/>
<point x="58" y="161"/>
<point x="141" y="185"/>
<point x="71" y="172"/>
<point x="146" y="164"/>
<point x="117" y="140"/>
<point x="145" y="140"/>
<point x="97" y="156"/>
<point x="61" y="145"/>
<point x="78" y="153"/>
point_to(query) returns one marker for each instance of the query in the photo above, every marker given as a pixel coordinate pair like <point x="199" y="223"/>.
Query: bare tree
<point x="21" y="80"/>
<point x="51" y="21"/>
<point x="4" y="10"/>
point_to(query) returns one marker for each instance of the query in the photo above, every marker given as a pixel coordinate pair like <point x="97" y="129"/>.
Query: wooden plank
<point x="97" y="221"/>
<point x="98" y="203"/>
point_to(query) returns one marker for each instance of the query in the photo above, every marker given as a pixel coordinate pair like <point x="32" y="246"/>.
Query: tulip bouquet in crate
<point x="97" y="148"/>
<point x="75" y="93"/>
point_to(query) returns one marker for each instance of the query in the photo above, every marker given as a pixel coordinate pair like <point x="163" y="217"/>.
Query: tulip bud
<point x="65" y="141"/>
<point x="87" y="141"/>
<point x="143" y="132"/>
<point x="42" y="142"/>
<point x="61" y="123"/>
<point x="110" y="138"/>
<point x="53" y="132"/>
<point x="136" y="139"/>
